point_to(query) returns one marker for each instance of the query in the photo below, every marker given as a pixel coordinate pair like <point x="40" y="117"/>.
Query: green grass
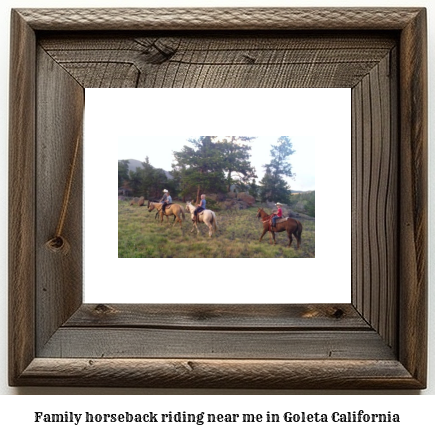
<point x="140" y="235"/>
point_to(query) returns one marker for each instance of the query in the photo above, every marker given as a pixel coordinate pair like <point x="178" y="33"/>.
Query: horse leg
<point x="298" y="234"/>
<point x="210" y="229"/>
<point x="273" y="235"/>
<point x="179" y="221"/>
<point x="290" y="238"/>
<point x="195" y="226"/>
<point x="262" y="235"/>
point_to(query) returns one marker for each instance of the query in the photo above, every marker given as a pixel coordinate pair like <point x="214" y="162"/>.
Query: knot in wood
<point x="338" y="313"/>
<point x="58" y="244"/>
<point x="103" y="309"/>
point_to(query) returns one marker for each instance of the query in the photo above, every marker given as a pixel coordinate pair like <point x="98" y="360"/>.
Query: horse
<point x="158" y="212"/>
<point x="292" y="226"/>
<point x="172" y="209"/>
<point x="207" y="216"/>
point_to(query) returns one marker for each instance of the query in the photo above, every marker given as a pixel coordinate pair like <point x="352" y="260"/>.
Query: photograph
<point x="211" y="204"/>
<point x="216" y="197"/>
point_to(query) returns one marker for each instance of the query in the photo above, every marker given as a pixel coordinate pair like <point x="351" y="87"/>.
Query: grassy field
<point x="140" y="235"/>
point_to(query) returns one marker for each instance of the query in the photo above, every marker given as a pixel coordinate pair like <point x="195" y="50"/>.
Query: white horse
<point x="207" y="216"/>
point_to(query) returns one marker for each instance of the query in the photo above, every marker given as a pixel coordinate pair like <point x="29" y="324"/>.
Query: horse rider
<point x="166" y="201"/>
<point x="164" y="197"/>
<point x="277" y="215"/>
<point x="200" y="208"/>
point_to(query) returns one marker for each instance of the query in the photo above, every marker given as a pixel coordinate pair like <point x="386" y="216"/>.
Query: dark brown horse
<point x="292" y="226"/>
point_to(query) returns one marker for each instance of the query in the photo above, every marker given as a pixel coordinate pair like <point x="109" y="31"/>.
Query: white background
<point x="16" y="412"/>
<point x="323" y="114"/>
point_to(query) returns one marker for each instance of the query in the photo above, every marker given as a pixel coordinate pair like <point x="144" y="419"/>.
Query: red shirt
<point x="279" y="212"/>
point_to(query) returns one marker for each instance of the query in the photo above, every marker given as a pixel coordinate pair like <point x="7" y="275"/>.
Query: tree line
<point x="214" y="164"/>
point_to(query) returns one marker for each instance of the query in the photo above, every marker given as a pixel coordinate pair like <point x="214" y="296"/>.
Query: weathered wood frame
<point x="377" y="341"/>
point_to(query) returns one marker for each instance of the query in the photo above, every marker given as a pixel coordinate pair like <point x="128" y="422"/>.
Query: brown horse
<point x="292" y="226"/>
<point x="172" y="209"/>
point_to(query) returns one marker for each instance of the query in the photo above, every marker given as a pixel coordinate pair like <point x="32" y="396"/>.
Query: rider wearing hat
<point x="277" y="215"/>
<point x="165" y="200"/>
<point x="164" y="197"/>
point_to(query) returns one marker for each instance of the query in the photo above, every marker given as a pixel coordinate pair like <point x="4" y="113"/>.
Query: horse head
<point x="260" y="210"/>
<point x="150" y="206"/>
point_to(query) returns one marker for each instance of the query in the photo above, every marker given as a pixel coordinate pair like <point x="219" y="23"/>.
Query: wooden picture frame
<point x="376" y="342"/>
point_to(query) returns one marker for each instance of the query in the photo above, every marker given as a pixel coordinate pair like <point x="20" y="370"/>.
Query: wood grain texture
<point x="220" y="317"/>
<point x="220" y="18"/>
<point x="21" y="194"/>
<point x="375" y="163"/>
<point x="95" y="342"/>
<point x="59" y="278"/>
<point x="413" y="197"/>
<point x="229" y="374"/>
<point x="378" y="342"/>
<point x="236" y="60"/>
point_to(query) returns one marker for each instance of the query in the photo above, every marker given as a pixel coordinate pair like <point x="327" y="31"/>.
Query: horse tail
<point x="182" y="213"/>
<point x="214" y="222"/>
<point x="298" y="233"/>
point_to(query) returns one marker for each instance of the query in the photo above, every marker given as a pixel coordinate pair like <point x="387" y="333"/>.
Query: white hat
<point x="280" y="204"/>
<point x="165" y="191"/>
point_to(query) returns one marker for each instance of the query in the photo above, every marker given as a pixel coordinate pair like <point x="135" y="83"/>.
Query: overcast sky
<point x="160" y="149"/>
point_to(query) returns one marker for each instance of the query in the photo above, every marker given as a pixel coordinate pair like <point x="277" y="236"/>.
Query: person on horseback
<point x="277" y="215"/>
<point x="200" y="208"/>
<point x="164" y="197"/>
<point x="167" y="201"/>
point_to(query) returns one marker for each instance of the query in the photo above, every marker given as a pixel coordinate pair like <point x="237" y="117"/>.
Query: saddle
<point x="281" y="220"/>
<point x="167" y="207"/>
<point x="197" y="215"/>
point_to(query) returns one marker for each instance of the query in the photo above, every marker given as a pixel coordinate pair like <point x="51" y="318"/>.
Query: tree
<point x="147" y="172"/>
<point x="145" y="181"/>
<point x="274" y="186"/>
<point x="123" y="177"/>
<point x="160" y="181"/>
<point x="236" y="165"/>
<point x="253" y="189"/>
<point x="136" y="182"/>
<point x="153" y="180"/>
<point x="200" y="167"/>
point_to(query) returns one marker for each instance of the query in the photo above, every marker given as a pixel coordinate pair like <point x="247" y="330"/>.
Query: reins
<point x="267" y="220"/>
